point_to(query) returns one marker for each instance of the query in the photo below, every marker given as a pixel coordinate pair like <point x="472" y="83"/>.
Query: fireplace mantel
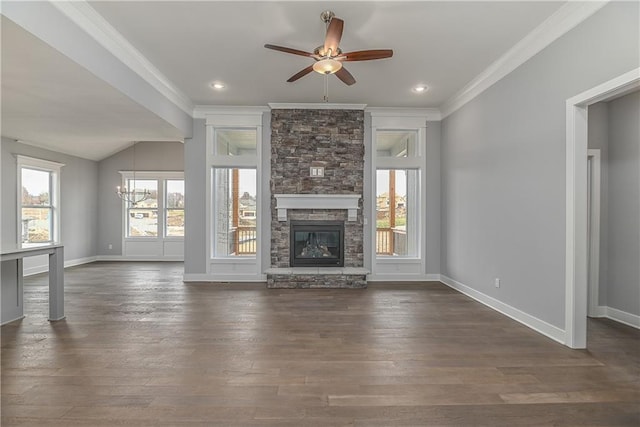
<point x="317" y="201"/>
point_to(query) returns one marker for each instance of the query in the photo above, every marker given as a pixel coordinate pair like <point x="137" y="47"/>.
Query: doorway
<point x="576" y="260"/>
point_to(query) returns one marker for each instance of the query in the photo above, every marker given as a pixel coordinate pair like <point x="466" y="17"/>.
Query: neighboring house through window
<point x="154" y="227"/>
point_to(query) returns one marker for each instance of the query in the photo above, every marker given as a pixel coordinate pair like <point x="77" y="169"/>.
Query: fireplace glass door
<point x="317" y="243"/>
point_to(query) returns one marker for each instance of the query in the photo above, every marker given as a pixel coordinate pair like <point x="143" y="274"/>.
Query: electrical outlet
<point x="316" y="171"/>
<point x="497" y="282"/>
<point x="110" y="246"/>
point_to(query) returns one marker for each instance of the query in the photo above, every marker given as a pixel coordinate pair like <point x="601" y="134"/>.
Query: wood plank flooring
<point x="141" y="348"/>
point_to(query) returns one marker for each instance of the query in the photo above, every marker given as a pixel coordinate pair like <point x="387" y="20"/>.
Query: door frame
<point x="576" y="274"/>
<point x="594" y="157"/>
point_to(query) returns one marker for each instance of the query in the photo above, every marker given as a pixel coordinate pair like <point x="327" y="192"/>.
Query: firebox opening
<point x="317" y="243"/>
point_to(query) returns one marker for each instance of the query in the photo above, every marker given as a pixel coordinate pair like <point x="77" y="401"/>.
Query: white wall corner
<point x="562" y="21"/>
<point x="520" y="316"/>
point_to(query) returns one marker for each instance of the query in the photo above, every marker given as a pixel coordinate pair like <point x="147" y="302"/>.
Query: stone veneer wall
<point x="304" y="138"/>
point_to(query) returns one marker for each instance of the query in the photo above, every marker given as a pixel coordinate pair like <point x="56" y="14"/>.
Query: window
<point x="38" y="208"/>
<point x="143" y="217"/>
<point x="235" y="142"/>
<point x="395" y="210"/>
<point x="235" y="212"/>
<point x="234" y="193"/>
<point x="397" y="202"/>
<point x="174" y="207"/>
<point x="162" y="214"/>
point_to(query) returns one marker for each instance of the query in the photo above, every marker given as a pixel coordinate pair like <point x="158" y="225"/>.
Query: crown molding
<point x="315" y="106"/>
<point x="431" y="114"/>
<point x="89" y="20"/>
<point x="558" y="24"/>
<point x="202" y="111"/>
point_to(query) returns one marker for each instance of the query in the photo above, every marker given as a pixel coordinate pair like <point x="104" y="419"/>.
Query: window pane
<point x="145" y="184"/>
<point x="236" y="142"/>
<point x="175" y="193"/>
<point x="35" y="187"/>
<point x="36" y="225"/>
<point x="396" y="212"/>
<point x="143" y="222"/>
<point x="235" y="212"/>
<point x="396" y="143"/>
<point x="175" y="222"/>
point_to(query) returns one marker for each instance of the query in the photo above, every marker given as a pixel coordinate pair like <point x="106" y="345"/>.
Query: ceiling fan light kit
<point x="327" y="66"/>
<point x="329" y="57"/>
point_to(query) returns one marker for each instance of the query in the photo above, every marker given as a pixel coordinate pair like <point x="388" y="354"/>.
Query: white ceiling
<point x="50" y="100"/>
<point x="441" y="44"/>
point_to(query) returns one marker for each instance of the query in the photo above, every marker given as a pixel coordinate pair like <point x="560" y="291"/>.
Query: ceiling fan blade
<point x="366" y="55"/>
<point x="289" y="50"/>
<point x="300" y="74"/>
<point x="334" y="34"/>
<point x="345" y="76"/>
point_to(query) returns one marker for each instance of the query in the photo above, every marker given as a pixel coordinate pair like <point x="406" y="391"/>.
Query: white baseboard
<point x="80" y="261"/>
<point x="69" y="263"/>
<point x="628" y="319"/>
<point x="532" y="322"/>
<point x="224" y="278"/>
<point x="600" y="311"/>
<point x="138" y="258"/>
<point x="403" y="278"/>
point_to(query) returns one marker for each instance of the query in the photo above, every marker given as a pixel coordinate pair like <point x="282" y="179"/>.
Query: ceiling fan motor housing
<point x="326" y="16"/>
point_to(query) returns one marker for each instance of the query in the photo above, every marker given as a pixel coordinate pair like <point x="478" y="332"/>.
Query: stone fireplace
<point x="333" y="140"/>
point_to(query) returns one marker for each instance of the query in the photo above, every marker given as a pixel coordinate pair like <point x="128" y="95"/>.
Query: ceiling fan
<point x="329" y="57"/>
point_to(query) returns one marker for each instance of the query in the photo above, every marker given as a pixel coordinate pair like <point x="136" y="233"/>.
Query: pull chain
<point x="326" y="88"/>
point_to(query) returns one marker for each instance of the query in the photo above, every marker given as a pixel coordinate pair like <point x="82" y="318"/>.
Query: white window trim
<point x="233" y="118"/>
<point x="161" y="177"/>
<point x="390" y="120"/>
<point x="48" y="166"/>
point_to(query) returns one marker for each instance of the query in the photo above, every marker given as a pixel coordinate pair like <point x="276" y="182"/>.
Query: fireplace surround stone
<point x="333" y="139"/>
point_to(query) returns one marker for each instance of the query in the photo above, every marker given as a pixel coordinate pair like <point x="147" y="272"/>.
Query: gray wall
<point x="623" y="284"/>
<point x="150" y="156"/>
<point x="195" y="175"/>
<point x="433" y="197"/>
<point x="78" y="199"/>
<point x="503" y="166"/>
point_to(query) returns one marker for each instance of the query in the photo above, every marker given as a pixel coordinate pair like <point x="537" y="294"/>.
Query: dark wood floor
<point x="140" y="348"/>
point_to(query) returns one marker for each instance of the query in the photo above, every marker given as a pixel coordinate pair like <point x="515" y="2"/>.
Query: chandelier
<point x="133" y="196"/>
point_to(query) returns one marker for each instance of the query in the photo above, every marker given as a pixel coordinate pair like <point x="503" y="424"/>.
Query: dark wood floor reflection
<point x="141" y="348"/>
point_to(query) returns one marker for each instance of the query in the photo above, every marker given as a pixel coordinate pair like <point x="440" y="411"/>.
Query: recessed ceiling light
<point x="420" y="88"/>
<point x="218" y="85"/>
